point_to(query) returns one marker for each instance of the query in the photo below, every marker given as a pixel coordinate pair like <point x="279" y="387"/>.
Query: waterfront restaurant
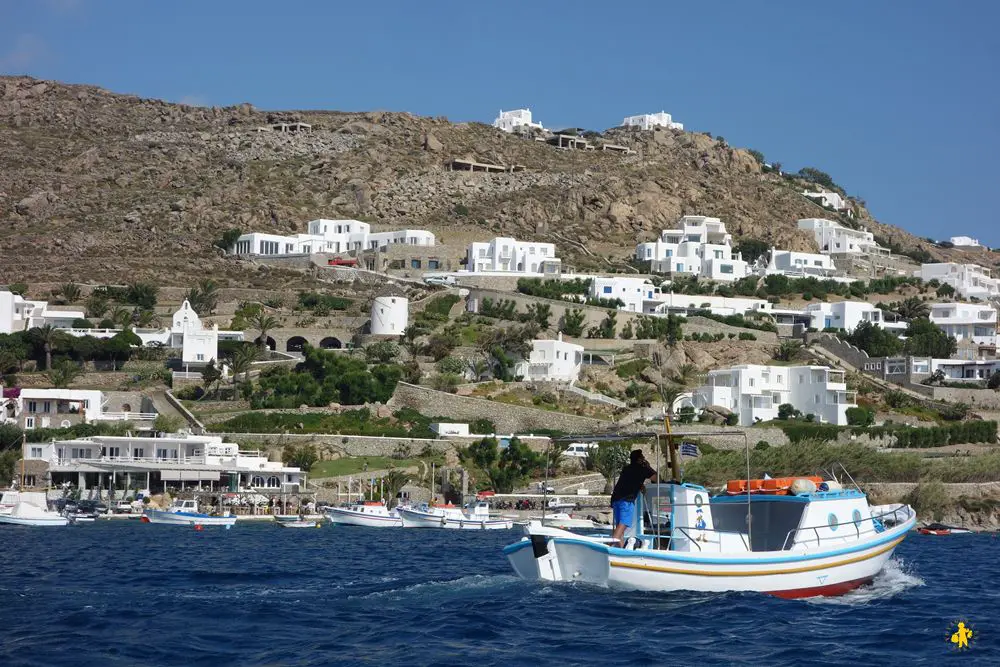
<point x="176" y="462"/>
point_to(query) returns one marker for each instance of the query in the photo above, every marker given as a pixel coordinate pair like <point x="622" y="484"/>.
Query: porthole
<point x="832" y="520"/>
<point x="857" y="516"/>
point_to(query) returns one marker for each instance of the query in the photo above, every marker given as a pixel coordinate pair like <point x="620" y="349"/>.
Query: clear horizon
<point x="895" y="104"/>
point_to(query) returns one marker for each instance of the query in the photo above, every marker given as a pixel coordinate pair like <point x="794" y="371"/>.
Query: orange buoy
<point x="199" y="527"/>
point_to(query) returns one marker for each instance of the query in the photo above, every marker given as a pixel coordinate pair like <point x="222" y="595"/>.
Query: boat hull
<point x="788" y="574"/>
<point x="417" y="519"/>
<point x="300" y="524"/>
<point x="347" y="517"/>
<point x="187" y="518"/>
<point x="14" y="521"/>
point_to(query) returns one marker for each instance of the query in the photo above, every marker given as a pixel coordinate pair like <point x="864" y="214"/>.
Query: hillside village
<point x="356" y="298"/>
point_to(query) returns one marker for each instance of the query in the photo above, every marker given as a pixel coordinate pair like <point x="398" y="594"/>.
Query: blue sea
<point x="125" y="593"/>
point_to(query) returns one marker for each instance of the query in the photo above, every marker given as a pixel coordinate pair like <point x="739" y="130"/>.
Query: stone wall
<point x="985" y="399"/>
<point x="854" y="356"/>
<point x="507" y="418"/>
<point x="346" y="445"/>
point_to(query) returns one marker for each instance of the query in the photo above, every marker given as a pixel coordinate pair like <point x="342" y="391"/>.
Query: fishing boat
<point x="450" y="516"/>
<point x="790" y="537"/>
<point x="29" y="514"/>
<point x="301" y="523"/>
<point x="941" y="529"/>
<point x="185" y="513"/>
<point x="371" y="514"/>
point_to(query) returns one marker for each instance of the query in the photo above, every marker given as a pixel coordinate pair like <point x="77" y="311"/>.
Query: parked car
<point x="446" y="281"/>
<point x="579" y="449"/>
<point x="123" y="507"/>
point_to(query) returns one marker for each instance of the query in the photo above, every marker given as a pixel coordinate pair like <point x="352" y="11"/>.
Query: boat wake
<point x="895" y="578"/>
<point x="450" y="587"/>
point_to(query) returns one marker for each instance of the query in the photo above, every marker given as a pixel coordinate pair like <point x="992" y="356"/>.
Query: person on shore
<point x="631" y="481"/>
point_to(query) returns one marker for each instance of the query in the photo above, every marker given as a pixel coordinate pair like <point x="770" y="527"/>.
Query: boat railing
<point x="684" y="531"/>
<point x="857" y="527"/>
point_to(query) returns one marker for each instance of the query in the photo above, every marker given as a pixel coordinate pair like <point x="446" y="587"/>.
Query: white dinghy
<point x="29" y="514"/>
<point x="450" y="516"/>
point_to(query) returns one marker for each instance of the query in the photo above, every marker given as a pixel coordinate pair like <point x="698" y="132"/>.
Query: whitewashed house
<point x="551" y="361"/>
<point x="965" y="369"/>
<point x="828" y="200"/>
<point x="329" y="236"/>
<point x="698" y="246"/>
<point x="30" y="408"/>
<point x="518" y="119"/>
<point x="834" y="238"/>
<point x="635" y="293"/>
<point x="20" y="314"/>
<point x="155" y="463"/>
<point x="507" y="255"/>
<point x="847" y="315"/>
<point x="967" y="322"/>
<point x="969" y="280"/>
<point x="965" y="242"/>
<point x="754" y="393"/>
<point x="648" y="121"/>
<point x="800" y="264"/>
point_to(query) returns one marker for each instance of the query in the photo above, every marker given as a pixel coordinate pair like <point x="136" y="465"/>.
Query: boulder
<point x="432" y="143"/>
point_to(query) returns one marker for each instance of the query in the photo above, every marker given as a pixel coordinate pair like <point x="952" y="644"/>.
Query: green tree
<point x="228" y="240"/>
<point x="787" y="351"/>
<point x="945" y="291"/>
<point x="684" y="375"/>
<point x="70" y="292"/>
<point x="409" y="338"/>
<point x="540" y="313"/>
<point x="874" y="340"/>
<point x="142" y="295"/>
<point x="118" y="348"/>
<point x="210" y="376"/>
<point x="504" y="469"/>
<point x="572" y="322"/>
<point x="97" y="305"/>
<point x="121" y="316"/>
<point x="240" y="361"/>
<point x="264" y="323"/>
<point x="48" y="338"/>
<point x="627" y="331"/>
<point x="18" y="288"/>
<point x="926" y="339"/>
<point x="304" y="456"/>
<point x="381" y="352"/>
<point x="758" y="156"/>
<point x="167" y="423"/>
<point x="913" y="308"/>
<point x="640" y="394"/>
<point x="751" y="249"/>
<point x="63" y="373"/>
<point x="818" y="177"/>
<point x="204" y="297"/>
<point x="608" y="459"/>
<point x="860" y="416"/>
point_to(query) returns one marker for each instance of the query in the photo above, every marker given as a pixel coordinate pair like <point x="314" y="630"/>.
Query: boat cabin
<point x="684" y="517"/>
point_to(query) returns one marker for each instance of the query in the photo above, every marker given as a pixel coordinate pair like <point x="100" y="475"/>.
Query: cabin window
<point x="856" y="515"/>
<point x="832" y="520"/>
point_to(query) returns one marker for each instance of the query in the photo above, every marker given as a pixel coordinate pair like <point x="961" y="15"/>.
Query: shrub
<point x="860" y="416"/>
<point x="747" y="336"/>
<point x="787" y="411"/>
<point x="732" y="420"/>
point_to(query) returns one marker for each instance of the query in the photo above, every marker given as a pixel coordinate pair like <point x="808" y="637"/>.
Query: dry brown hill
<point x="103" y="187"/>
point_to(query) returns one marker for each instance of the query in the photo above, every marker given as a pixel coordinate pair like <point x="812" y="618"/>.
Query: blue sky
<point x="897" y="101"/>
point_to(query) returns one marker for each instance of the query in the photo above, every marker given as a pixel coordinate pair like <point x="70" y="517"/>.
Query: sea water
<point x="125" y="593"/>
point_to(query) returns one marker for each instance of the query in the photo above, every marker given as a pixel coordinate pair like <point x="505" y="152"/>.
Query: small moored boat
<point x="29" y="514"/>
<point x="300" y="523"/>
<point x="185" y="513"/>
<point x="450" y="516"/>
<point x="371" y="514"/>
<point x="941" y="529"/>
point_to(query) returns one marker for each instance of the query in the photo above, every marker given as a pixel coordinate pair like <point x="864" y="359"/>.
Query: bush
<point x="316" y="301"/>
<point x="747" y="336"/>
<point x="732" y="420"/>
<point x="80" y="323"/>
<point x="860" y="416"/>
<point x="787" y="411"/>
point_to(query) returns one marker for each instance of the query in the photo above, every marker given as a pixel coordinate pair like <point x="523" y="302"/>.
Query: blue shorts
<point x="624" y="512"/>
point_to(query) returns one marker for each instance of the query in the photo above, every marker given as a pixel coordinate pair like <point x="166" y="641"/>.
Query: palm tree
<point x="684" y="375"/>
<point x="97" y="304"/>
<point x="913" y="308"/>
<point x="240" y="362"/>
<point x="393" y="483"/>
<point x="210" y="376"/>
<point x="669" y="394"/>
<point x="48" y="338"/>
<point x="121" y="316"/>
<point x="209" y="290"/>
<point x="409" y="339"/>
<point x="263" y="322"/>
<point x="478" y="368"/>
<point x="63" y="373"/>
<point x="146" y="318"/>
<point x="787" y="351"/>
<point x="70" y="292"/>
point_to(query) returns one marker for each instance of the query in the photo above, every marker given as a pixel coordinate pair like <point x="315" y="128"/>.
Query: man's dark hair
<point x="636" y="456"/>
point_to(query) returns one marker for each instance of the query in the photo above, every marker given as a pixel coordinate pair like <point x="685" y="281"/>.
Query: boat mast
<point x="675" y="471"/>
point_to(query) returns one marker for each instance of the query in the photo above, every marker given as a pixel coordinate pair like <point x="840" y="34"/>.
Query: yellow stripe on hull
<point x="754" y="573"/>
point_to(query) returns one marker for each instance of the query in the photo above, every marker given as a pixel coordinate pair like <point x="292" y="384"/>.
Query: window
<point x="832" y="520"/>
<point x="273" y="482"/>
<point x="29" y="422"/>
<point x="607" y="289"/>
<point x="726" y="268"/>
<point x="257" y="481"/>
<point x="199" y="357"/>
<point x="161" y="453"/>
<point x="138" y="453"/>
<point x="36" y="452"/>
<point x="47" y="406"/>
<point x="32" y="406"/>
<point x="433" y="264"/>
<point x="750" y="382"/>
<point x="414" y="263"/>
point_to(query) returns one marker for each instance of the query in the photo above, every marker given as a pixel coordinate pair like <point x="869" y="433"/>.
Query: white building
<point x="828" y="200"/>
<point x="390" y="315"/>
<point x="755" y="392"/>
<point x="965" y="242"/>
<point x="648" y="121"/>
<point x="20" y="314"/>
<point x="799" y="264"/>
<point x="507" y="255"/>
<point x="969" y="280"/>
<point x="551" y="361"/>
<point x="444" y="429"/>
<point x="965" y="369"/>
<point x="966" y="322"/>
<point x="847" y="315"/>
<point x="198" y="344"/>
<point x="518" y="119"/>
<point x="834" y="238"/>
<point x="636" y="293"/>
<point x="155" y="463"/>
<point x="31" y="408"/>
<point x="698" y="246"/>
<point x="329" y="236"/>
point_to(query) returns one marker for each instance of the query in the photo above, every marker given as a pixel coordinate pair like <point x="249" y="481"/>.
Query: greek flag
<point x="689" y="449"/>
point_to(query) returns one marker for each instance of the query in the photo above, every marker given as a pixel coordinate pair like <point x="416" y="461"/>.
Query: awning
<point x="189" y="475"/>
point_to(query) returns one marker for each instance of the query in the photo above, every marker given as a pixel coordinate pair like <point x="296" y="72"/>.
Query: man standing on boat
<point x="630" y="483"/>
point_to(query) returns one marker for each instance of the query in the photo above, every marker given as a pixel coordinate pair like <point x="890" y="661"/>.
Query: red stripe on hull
<point x="815" y="591"/>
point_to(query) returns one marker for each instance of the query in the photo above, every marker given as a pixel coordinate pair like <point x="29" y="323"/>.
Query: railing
<point x="126" y="416"/>
<point x="857" y="527"/>
<point x="684" y="529"/>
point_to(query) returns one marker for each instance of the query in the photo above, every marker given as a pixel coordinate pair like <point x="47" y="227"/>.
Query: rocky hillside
<point x="102" y="187"/>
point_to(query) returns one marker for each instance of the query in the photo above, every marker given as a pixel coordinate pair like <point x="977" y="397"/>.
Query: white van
<point x="579" y="449"/>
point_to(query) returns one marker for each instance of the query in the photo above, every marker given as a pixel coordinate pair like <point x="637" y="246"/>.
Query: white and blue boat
<point x="185" y="513"/>
<point x="805" y="540"/>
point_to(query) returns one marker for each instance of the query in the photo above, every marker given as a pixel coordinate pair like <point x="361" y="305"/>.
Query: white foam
<point x="894" y="579"/>
<point x="471" y="582"/>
